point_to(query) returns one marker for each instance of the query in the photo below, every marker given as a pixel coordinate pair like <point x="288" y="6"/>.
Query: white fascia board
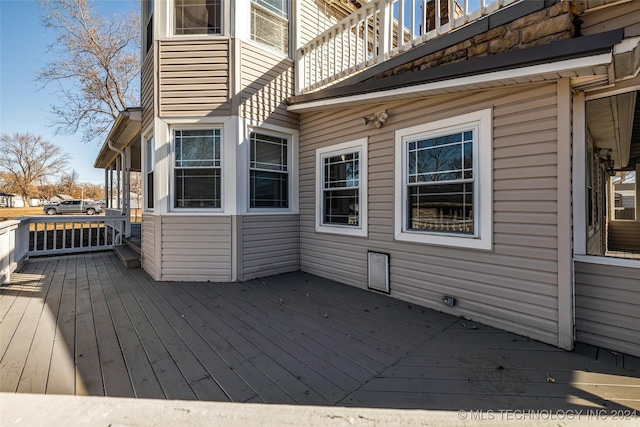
<point x="458" y="84"/>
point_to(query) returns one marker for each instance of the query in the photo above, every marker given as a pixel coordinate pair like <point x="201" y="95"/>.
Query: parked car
<point x="73" y="207"/>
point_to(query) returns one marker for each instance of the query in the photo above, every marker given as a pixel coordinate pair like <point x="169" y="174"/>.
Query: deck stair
<point x="129" y="252"/>
<point x="129" y="256"/>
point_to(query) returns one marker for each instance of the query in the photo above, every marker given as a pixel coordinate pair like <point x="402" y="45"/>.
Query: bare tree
<point x="29" y="159"/>
<point x="96" y="65"/>
<point x="92" y="191"/>
<point x="7" y="183"/>
<point x="68" y="183"/>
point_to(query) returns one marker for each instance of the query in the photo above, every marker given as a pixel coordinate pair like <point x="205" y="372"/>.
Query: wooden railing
<point x="34" y="236"/>
<point x="379" y="30"/>
<point x="14" y="246"/>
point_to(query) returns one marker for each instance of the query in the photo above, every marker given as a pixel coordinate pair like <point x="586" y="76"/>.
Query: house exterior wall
<point x="148" y="248"/>
<point x="195" y="248"/>
<point x="266" y="80"/>
<point x="515" y="285"/>
<point x="194" y="78"/>
<point x="621" y="16"/>
<point x="315" y="17"/>
<point x="608" y="316"/>
<point x="269" y="245"/>
<point x="147" y="85"/>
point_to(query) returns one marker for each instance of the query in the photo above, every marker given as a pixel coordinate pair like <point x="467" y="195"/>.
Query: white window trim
<point x="242" y="167"/>
<point x="483" y="186"/>
<point x="172" y="173"/>
<point x="145" y="139"/>
<point x="290" y="169"/>
<point x="360" y="145"/>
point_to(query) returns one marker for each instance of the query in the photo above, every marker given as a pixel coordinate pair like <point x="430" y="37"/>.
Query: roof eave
<point x="124" y="132"/>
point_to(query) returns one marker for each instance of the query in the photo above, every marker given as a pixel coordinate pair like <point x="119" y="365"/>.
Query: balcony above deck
<point x="380" y="30"/>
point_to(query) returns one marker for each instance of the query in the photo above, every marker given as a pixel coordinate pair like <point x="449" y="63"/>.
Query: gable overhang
<point x="124" y="133"/>
<point x="588" y="61"/>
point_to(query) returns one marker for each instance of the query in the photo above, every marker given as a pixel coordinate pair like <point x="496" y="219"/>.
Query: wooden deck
<point x="85" y="325"/>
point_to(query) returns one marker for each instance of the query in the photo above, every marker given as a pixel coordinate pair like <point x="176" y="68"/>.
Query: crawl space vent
<point x="379" y="272"/>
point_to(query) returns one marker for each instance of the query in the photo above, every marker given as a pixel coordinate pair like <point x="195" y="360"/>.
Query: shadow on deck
<point x="85" y="325"/>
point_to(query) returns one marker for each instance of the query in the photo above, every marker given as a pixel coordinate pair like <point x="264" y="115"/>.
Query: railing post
<point x="386" y="27"/>
<point x="24" y="236"/>
<point x="300" y="72"/>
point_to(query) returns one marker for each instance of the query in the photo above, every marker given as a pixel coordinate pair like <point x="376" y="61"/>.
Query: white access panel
<point x="378" y="272"/>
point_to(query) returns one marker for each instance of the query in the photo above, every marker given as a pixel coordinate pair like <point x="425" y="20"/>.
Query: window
<point x="198" y="17"/>
<point x="270" y="25"/>
<point x="623" y="184"/>
<point x="268" y="171"/>
<point x="197" y="168"/>
<point x="147" y="15"/>
<point x="149" y="167"/>
<point x="342" y="188"/>
<point x="444" y="182"/>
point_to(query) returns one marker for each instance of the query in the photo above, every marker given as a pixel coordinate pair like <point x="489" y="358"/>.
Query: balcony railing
<point x="379" y="30"/>
<point x="34" y="236"/>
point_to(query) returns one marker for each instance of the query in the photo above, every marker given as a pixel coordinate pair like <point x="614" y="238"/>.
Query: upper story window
<point x="268" y="171"/>
<point x="444" y="182"/>
<point x="198" y="168"/>
<point x="341" y="198"/>
<point x="270" y="23"/>
<point x="198" y="17"/>
<point x="147" y="16"/>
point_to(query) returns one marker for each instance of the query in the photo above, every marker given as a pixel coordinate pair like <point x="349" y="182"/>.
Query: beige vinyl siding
<point x="515" y="287"/>
<point x="194" y="78"/>
<point x="608" y="307"/>
<point x="196" y="248"/>
<point x="266" y="82"/>
<point x="626" y="15"/>
<point x="146" y="89"/>
<point x="269" y="245"/>
<point x="148" y="249"/>
<point x="315" y="18"/>
<point x="624" y="235"/>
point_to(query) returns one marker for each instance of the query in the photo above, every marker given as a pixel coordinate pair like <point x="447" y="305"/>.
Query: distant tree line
<point x="34" y="168"/>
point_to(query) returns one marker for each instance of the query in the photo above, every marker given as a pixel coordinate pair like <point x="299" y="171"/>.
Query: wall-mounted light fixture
<point x="379" y="119"/>
<point x="605" y="157"/>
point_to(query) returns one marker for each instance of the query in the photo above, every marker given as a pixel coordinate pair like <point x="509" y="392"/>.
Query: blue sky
<point x="24" y="106"/>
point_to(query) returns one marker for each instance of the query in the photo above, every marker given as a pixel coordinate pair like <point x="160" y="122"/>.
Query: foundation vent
<point x="378" y="272"/>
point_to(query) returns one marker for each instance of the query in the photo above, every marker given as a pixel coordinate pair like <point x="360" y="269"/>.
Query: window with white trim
<point x="341" y="196"/>
<point x="197" y="17"/>
<point x="270" y="23"/>
<point x="148" y="171"/>
<point x="444" y="182"/>
<point x="147" y="17"/>
<point x="198" y="168"/>
<point x="268" y="171"/>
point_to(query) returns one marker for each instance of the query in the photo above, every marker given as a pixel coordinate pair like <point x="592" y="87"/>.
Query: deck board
<point x="16" y="344"/>
<point x="86" y="351"/>
<point x="36" y="369"/>
<point x="61" y="378"/>
<point x="172" y="381"/>
<point x="85" y="325"/>
<point x="113" y="369"/>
